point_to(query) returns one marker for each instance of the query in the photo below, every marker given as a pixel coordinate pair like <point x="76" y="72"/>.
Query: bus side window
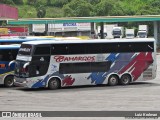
<point x="60" y="49"/>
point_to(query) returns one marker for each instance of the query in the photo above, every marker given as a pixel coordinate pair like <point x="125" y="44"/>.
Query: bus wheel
<point x="125" y="79"/>
<point x="53" y="84"/>
<point x="113" y="80"/>
<point x="9" y="81"/>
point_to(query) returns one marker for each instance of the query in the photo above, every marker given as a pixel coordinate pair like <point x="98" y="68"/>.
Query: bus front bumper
<point x="20" y="82"/>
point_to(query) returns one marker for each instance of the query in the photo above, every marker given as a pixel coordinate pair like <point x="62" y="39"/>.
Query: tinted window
<point x="86" y="67"/>
<point x="59" y="49"/>
<point x="42" y="50"/>
<point x="25" y="49"/>
<point x="90" y="48"/>
<point x="8" y="55"/>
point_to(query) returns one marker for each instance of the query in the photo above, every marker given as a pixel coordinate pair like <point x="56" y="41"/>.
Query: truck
<point x="117" y="32"/>
<point x="129" y="33"/>
<point x="108" y="28"/>
<point x="142" y="31"/>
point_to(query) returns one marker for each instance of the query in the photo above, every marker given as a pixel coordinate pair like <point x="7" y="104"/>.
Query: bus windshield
<point x="25" y="49"/>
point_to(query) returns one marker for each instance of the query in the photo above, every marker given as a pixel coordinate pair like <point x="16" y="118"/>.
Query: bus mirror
<point x="13" y="61"/>
<point x="25" y="65"/>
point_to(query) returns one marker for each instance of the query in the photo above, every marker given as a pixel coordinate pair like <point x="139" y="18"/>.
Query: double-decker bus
<point x="8" y="53"/>
<point x="61" y="63"/>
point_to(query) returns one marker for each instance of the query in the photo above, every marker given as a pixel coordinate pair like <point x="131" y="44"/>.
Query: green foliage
<point x="104" y="7"/>
<point x="60" y="3"/>
<point x="77" y="8"/>
<point x="84" y="8"/>
<point x="10" y="2"/>
<point x="18" y="2"/>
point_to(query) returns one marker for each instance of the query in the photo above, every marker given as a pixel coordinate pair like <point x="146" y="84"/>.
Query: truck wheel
<point x="53" y="84"/>
<point x="125" y="79"/>
<point x="113" y="80"/>
<point x="9" y="81"/>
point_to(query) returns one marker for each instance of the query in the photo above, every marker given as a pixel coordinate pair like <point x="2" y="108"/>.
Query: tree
<point x="18" y="2"/>
<point x="78" y="8"/>
<point x="60" y="3"/>
<point x="32" y="2"/>
<point x="68" y="12"/>
<point x="41" y="10"/>
<point x="7" y="2"/>
<point x="104" y="7"/>
<point x="48" y="2"/>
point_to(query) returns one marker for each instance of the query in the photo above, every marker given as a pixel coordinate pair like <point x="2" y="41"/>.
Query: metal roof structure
<point x="108" y="19"/>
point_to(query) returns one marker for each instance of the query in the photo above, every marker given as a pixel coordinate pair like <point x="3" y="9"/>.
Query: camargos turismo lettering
<point x="60" y="58"/>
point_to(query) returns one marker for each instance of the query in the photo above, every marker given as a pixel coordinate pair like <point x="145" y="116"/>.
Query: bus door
<point x="40" y="61"/>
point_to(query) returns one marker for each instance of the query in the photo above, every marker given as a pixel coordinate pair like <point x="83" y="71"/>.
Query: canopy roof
<point x="85" y="19"/>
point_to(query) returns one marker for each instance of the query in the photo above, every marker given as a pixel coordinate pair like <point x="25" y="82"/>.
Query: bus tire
<point x="54" y="83"/>
<point x="113" y="80"/>
<point x="125" y="79"/>
<point x="9" y="81"/>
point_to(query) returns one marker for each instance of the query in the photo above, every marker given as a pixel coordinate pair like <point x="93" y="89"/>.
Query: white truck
<point x="142" y="31"/>
<point x="108" y="28"/>
<point x="117" y="32"/>
<point x="129" y="33"/>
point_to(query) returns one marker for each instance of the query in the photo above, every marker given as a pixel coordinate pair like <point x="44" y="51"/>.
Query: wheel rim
<point x="125" y="79"/>
<point x="9" y="82"/>
<point x="113" y="80"/>
<point x="54" y="83"/>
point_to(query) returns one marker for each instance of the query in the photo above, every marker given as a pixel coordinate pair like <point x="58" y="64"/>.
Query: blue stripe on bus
<point x="125" y="59"/>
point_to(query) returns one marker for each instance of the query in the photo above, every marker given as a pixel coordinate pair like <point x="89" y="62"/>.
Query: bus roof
<point x="62" y="41"/>
<point x="11" y="46"/>
<point x="22" y="39"/>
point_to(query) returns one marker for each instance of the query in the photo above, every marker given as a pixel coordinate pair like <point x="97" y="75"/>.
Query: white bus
<point x="61" y="63"/>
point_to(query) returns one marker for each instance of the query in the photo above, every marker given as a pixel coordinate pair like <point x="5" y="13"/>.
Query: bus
<point x="61" y="63"/>
<point x="20" y="39"/>
<point x="6" y="49"/>
<point x="7" y="54"/>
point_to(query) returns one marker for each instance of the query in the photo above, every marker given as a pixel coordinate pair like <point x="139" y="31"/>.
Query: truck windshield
<point x="117" y="32"/>
<point x="25" y="49"/>
<point x="142" y="33"/>
<point x="130" y="35"/>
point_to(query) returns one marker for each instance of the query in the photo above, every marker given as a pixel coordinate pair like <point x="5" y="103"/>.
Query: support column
<point x="102" y="30"/>
<point x="92" y="30"/>
<point x="46" y="29"/>
<point x="155" y="24"/>
<point x="30" y="29"/>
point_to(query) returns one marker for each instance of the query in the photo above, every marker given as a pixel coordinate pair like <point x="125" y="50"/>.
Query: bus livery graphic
<point x="137" y="66"/>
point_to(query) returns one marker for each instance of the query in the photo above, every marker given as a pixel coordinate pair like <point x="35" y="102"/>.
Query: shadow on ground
<point x="91" y="87"/>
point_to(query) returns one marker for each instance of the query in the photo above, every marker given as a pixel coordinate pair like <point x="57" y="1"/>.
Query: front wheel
<point x="113" y="80"/>
<point x="53" y="84"/>
<point x="9" y="81"/>
<point x="125" y="79"/>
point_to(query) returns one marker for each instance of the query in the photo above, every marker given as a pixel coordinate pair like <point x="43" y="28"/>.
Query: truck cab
<point x="142" y="31"/>
<point x="117" y="32"/>
<point x="129" y="33"/>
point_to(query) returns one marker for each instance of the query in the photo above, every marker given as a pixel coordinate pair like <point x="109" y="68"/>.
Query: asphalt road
<point x="139" y="96"/>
